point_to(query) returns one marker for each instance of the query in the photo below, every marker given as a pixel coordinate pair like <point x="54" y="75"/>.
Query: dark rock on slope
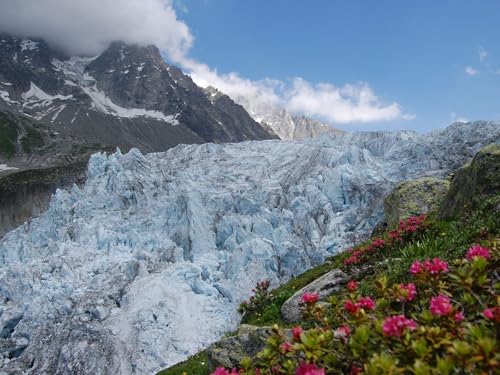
<point x="474" y="184"/>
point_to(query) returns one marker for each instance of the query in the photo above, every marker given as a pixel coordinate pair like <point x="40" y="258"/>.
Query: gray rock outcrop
<point x="474" y="183"/>
<point x="326" y="285"/>
<point x="414" y="197"/>
<point x="229" y="351"/>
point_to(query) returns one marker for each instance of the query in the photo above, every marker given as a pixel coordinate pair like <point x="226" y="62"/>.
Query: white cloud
<point x="352" y="103"/>
<point x="469" y="70"/>
<point x="88" y="26"/>
<point x="343" y="105"/>
<point x="483" y="54"/>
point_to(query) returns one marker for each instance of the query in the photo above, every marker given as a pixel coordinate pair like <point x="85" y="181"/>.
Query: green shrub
<point x="8" y="136"/>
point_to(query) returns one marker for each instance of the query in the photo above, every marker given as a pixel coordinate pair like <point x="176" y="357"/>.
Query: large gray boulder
<point x="326" y="285"/>
<point x="229" y="351"/>
<point x="414" y="197"/>
<point x="474" y="183"/>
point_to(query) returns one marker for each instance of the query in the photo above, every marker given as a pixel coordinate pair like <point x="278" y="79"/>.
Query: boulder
<point x="414" y="197"/>
<point x="229" y="351"/>
<point x="326" y="285"/>
<point x="474" y="183"/>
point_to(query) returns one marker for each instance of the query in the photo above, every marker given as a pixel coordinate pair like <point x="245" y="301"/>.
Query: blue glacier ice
<point x="147" y="262"/>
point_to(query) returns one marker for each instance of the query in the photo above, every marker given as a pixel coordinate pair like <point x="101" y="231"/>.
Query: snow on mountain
<point x="147" y="262"/>
<point x="127" y="97"/>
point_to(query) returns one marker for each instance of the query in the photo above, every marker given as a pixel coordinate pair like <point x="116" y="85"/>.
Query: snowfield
<point x="147" y="262"/>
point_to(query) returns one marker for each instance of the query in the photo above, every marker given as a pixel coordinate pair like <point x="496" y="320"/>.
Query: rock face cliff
<point x="285" y="124"/>
<point x="147" y="261"/>
<point x="127" y="97"/>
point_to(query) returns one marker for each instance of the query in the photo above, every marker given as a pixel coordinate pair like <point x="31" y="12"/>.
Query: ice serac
<point x="147" y="261"/>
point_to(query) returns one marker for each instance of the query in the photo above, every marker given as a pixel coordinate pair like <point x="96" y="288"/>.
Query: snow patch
<point x="36" y="94"/>
<point x="105" y="105"/>
<point x="5" y="96"/>
<point x="5" y="167"/>
<point x="58" y="111"/>
<point x="28" y="45"/>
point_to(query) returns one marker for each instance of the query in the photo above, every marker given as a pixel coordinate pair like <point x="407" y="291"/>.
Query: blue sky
<point x="439" y="60"/>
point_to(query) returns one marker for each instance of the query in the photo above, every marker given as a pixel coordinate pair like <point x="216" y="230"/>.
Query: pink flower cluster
<point x="310" y="298"/>
<point x="492" y="313"/>
<point x="478" y="251"/>
<point x="459" y="316"/>
<point x="375" y="245"/>
<point x="309" y="369"/>
<point x="433" y="267"/>
<point x="223" y="371"/>
<point x="395" y="326"/>
<point x="286" y="347"/>
<point x="354" y="258"/>
<point x="352" y="286"/>
<point x="365" y="303"/>
<point x="296" y="332"/>
<point x="342" y="332"/>
<point x="441" y="306"/>
<point x="407" y="227"/>
<point x="357" y="253"/>
<point x="407" y="292"/>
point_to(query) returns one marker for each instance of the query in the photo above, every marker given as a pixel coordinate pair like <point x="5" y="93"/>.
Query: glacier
<point x="147" y="262"/>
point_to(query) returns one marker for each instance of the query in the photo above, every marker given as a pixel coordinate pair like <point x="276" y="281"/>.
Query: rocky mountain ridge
<point x="283" y="123"/>
<point x="126" y="97"/>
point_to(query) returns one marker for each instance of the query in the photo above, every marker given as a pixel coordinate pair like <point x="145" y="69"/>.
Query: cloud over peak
<point x="88" y="27"/>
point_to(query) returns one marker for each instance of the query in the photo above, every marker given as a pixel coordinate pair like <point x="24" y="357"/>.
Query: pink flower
<point x="363" y="303"/>
<point x="395" y="326"/>
<point x="366" y="303"/>
<point x="478" y="251"/>
<point x="492" y="313"/>
<point x="436" y="266"/>
<point x="286" y="347"/>
<point x="354" y="258"/>
<point x="309" y="369"/>
<point x="441" y="306"/>
<point x="395" y="235"/>
<point x="416" y="268"/>
<point x="296" y="332"/>
<point x="407" y="292"/>
<point x="352" y="286"/>
<point x="342" y="332"/>
<point x="459" y="317"/>
<point x="310" y="298"/>
<point x="378" y="243"/>
<point x="351" y="307"/>
<point x="223" y="371"/>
